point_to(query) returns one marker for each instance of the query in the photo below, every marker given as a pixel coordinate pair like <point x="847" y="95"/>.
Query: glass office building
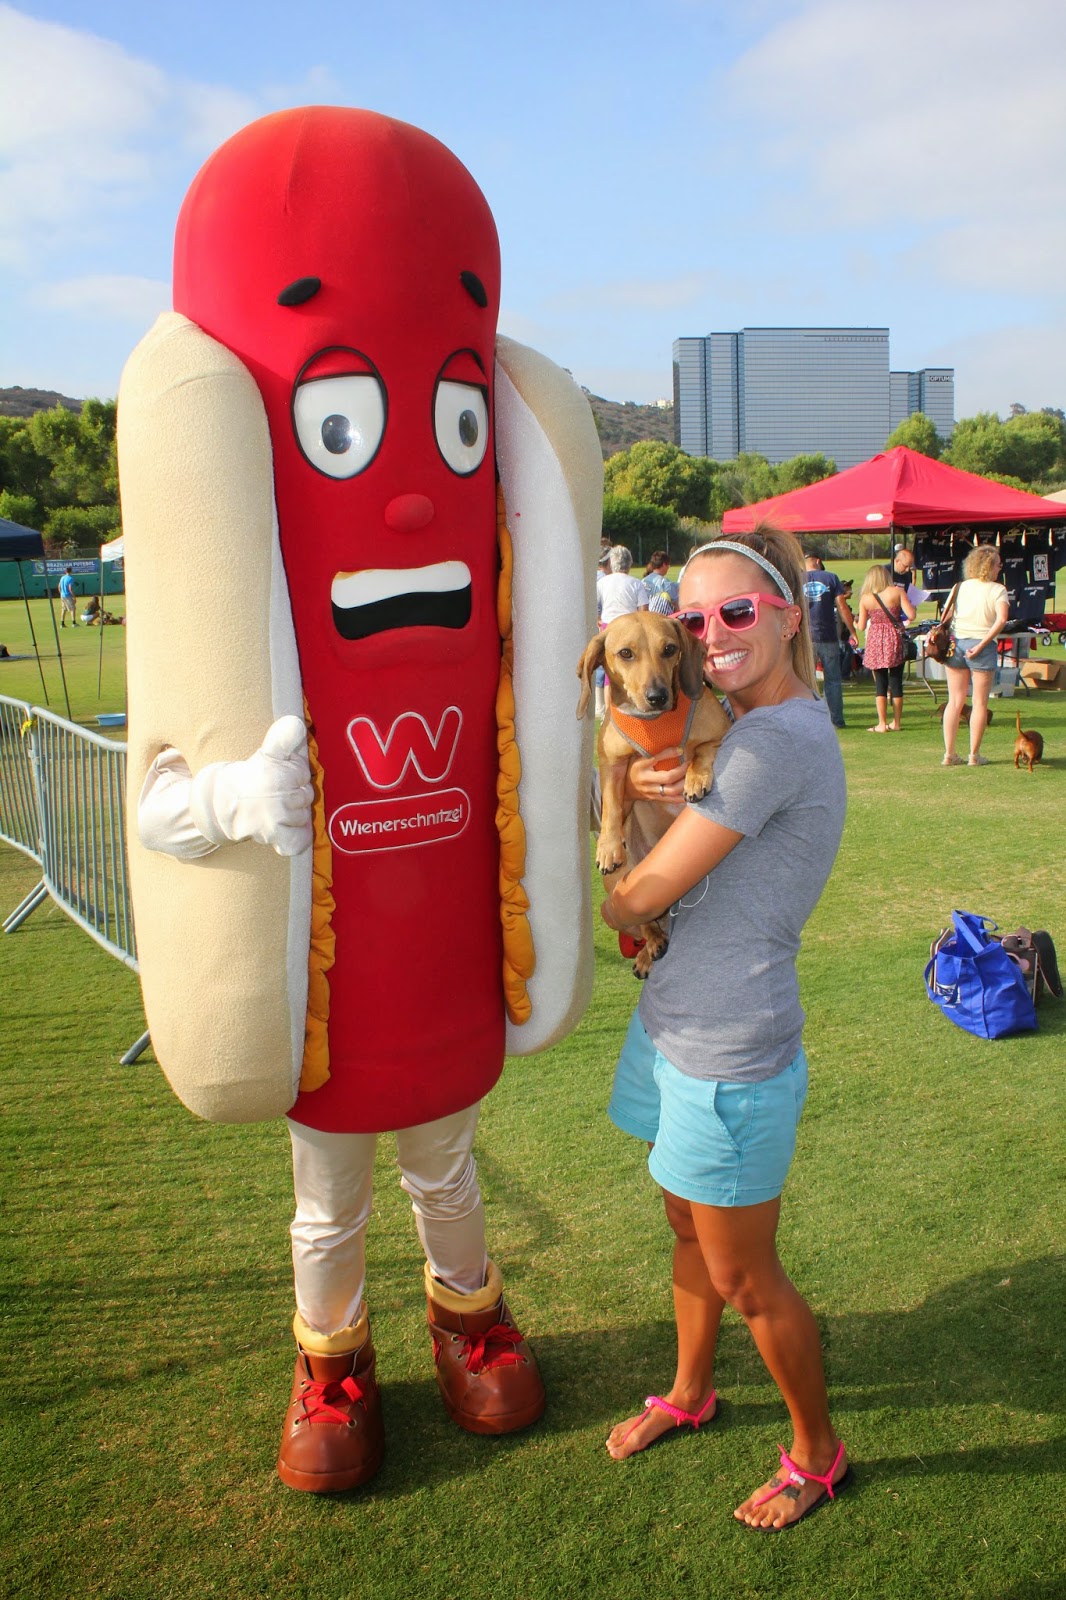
<point x="782" y="392"/>
<point x="931" y="390"/>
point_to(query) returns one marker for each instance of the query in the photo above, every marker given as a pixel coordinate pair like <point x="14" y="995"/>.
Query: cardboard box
<point x="1041" y="673"/>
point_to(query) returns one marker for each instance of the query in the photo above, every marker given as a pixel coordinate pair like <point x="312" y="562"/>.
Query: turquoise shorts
<point x="715" y="1143"/>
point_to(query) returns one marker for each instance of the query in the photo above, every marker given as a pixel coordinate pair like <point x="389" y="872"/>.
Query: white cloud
<point x="643" y="294"/>
<point x="86" y="129"/>
<point x="993" y="369"/>
<point x="119" y="299"/>
<point x="949" y="119"/>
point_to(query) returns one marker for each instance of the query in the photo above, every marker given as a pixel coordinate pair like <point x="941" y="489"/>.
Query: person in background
<point x="904" y="574"/>
<point x="603" y="567"/>
<point x="619" y="593"/>
<point x="66" y="598"/>
<point x="982" y="607"/>
<point x="882" y="607"/>
<point x="712" y="1074"/>
<point x="662" y="589"/>
<point x="826" y="605"/>
<point x="849" y="661"/>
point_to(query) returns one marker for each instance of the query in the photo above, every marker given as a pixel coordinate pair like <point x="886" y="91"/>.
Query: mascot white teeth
<point x="361" y="531"/>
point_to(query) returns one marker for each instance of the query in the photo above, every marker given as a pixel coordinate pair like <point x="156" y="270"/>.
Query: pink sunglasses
<point x="738" y="614"/>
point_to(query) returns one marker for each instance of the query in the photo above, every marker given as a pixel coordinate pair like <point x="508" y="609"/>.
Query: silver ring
<point x="662" y="791"/>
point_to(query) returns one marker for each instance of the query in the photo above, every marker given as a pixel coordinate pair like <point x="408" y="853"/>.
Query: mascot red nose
<point x="360" y="534"/>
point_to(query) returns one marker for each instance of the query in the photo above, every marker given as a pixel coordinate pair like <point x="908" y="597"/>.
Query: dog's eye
<point x="625" y="654"/>
<point x="669" y="649"/>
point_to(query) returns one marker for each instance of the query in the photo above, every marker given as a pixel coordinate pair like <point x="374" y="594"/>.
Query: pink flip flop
<point x="655" y="1402"/>
<point x="795" y="1480"/>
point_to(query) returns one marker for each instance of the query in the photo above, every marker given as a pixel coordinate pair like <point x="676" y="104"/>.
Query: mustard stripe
<point x="519" y="958"/>
<point x="322" y="955"/>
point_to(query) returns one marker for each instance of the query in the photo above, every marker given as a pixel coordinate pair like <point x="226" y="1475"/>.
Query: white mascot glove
<point x="266" y="798"/>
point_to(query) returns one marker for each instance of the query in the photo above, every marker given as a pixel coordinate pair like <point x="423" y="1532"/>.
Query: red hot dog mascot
<point x="359" y="869"/>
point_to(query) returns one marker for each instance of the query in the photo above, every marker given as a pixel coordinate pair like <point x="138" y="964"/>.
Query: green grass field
<point x="145" y="1288"/>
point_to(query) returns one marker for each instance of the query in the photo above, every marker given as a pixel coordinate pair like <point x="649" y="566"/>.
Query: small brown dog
<point x="658" y="701"/>
<point x="1028" y="746"/>
<point x="964" y="718"/>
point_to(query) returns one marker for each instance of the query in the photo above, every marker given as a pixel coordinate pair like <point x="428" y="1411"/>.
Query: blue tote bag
<point x="975" y="983"/>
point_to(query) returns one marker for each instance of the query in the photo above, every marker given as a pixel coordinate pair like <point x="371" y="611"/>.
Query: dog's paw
<point x="609" y="857"/>
<point x="696" y="785"/>
<point x="655" y="947"/>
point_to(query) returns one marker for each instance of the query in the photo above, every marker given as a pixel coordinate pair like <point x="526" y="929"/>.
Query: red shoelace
<point x="321" y="1401"/>
<point x="494" y="1348"/>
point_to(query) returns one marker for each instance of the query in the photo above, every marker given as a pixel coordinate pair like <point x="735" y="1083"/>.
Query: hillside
<point x="621" y="423"/>
<point x="16" y="402"/>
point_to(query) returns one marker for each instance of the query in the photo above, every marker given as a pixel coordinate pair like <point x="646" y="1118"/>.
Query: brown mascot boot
<point x="486" y="1372"/>
<point x="333" y="1438"/>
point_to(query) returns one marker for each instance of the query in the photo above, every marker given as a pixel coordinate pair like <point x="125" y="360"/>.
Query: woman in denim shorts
<point x="712" y="1074"/>
<point x="981" y="610"/>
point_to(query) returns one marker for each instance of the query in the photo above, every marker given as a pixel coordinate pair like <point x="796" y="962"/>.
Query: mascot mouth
<point x="380" y="599"/>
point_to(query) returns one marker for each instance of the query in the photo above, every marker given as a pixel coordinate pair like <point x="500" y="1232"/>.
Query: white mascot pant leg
<point x="334" y="1174"/>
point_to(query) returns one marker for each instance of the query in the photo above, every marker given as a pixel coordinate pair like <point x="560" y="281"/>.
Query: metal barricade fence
<point x="63" y="802"/>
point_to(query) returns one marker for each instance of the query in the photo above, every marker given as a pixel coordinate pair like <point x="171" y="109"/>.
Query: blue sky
<point x="654" y="170"/>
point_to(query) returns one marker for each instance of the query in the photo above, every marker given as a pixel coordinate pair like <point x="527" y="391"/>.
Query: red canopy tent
<point x="898" y="488"/>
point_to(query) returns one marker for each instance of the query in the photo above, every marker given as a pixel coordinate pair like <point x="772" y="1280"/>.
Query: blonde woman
<point x="712" y="1074"/>
<point x="982" y="607"/>
<point x="882" y="607"/>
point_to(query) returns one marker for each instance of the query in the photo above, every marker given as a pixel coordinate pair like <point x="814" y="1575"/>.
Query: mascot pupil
<point x="359" y="867"/>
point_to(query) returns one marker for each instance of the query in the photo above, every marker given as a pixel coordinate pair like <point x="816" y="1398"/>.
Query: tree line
<point x="657" y="496"/>
<point x="58" y="474"/>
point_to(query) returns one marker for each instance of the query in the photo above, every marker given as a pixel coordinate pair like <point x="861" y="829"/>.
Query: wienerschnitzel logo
<point x="400" y="822"/>
<point x="408" y="743"/>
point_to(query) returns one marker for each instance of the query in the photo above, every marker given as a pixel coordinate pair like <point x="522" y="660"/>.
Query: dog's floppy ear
<point x="693" y="655"/>
<point x="595" y="651"/>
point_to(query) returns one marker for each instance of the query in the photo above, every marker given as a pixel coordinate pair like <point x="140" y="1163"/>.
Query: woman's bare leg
<point x="697" y="1313"/>
<point x="982" y="688"/>
<point x="739" y="1248"/>
<point x="881" y="701"/>
<point x="958" y="688"/>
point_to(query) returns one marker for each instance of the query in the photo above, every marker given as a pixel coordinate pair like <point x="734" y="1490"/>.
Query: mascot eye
<point x="461" y="424"/>
<point x="339" y="422"/>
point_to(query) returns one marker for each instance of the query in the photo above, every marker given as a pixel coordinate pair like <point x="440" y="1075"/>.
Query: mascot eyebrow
<point x="474" y="288"/>
<point x="299" y="291"/>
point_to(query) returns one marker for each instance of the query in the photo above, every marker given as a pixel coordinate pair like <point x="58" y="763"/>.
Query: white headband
<point x="752" y="555"/>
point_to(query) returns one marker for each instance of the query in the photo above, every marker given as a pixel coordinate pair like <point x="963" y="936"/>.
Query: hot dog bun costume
<point x="360" y="544"/>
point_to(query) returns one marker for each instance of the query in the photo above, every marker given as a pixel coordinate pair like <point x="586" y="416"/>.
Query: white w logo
<point x="408" y="743"/>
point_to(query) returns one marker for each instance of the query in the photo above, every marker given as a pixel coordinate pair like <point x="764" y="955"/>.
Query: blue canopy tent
<point x="20" y="544"/>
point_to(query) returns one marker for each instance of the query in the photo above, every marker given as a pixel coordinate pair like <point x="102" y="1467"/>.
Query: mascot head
<point x="352" y="263"/>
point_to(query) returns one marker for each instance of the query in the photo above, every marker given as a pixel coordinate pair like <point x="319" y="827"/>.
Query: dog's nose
<point x="657" y="696"/>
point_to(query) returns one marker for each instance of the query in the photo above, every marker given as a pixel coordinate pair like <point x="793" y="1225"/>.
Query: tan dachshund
<point x="964" y="718"/>
<point x="1028" y="746"/>
<point x="658" y="701"/>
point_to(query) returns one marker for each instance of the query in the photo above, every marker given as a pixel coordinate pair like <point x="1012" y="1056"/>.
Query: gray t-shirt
<point x="724" y="1000"/>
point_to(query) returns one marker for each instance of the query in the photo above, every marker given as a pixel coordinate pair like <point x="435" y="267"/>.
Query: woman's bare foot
<point x="880" y="728"/>
<point x="895" y="727"/>
<point x="637" y="1433"/>
<point x="794" y="1499"/>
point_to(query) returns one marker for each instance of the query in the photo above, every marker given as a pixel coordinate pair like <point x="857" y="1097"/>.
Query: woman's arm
<point x="1002" y="613"/>
<point x="692" y="847"/>
<point x="864" y="611"/>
